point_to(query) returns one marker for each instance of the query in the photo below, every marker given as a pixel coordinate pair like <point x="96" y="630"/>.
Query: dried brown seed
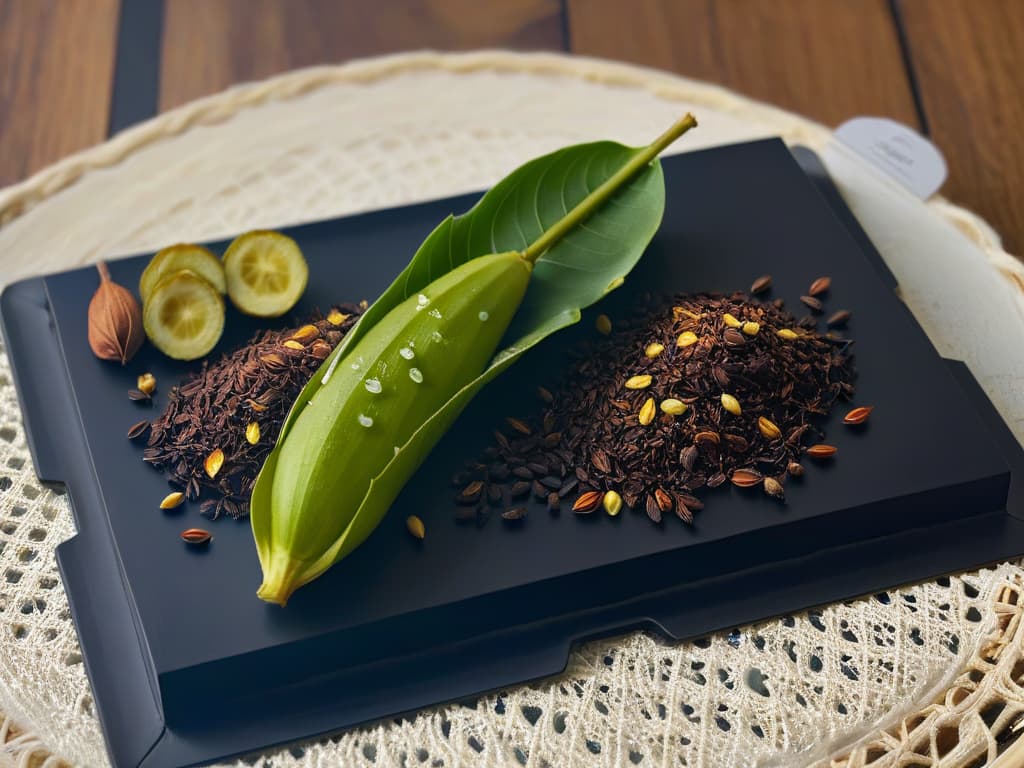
<point x="214" y="462"/>
<point x="515" y="513"/>
<point x="820" y="286"/>
<point x="706" y="439"/>
<point x="733" y="338"/>
<point x="814" y="304"/>
<point x="554" y="502"/>
<point x="539" y="489"/>
<point x="196" y="536"/>
<point x="822" y="451"/>
<point x="858" y="415"/>
<point x="519" y="426"/>
<point x="587" y="502"/>
<point x="320" y="349"/>
<point x="683" y="511"/>
<point x="795" y="469"/>
<point x="762" y="284"/>
<point x="652" y="509"/>
<point x="293" y="345"/>
<point x="774" y="488"/>
<point x="688" y="457"/>
<point x="258" y="407"/>
<point x="114" y="320"/>
<point x="768" y="428"/>
<point x="746" y="478"/>
<point x="415" y="527"/>
<point x="600" y="460"/>
<point x="663" y="500"/>
<point x="138" y="396"/>
<point x="612" y="503"/>
<point x="838" y="319"/>
<point x="519" y="489"/>
<point x="638" y="382"/>
<point x="137" y="429"/>
<point x="471" y="492"/>
<point x="146" y="383"/>
<point x="603" y="323"/>
<point x="273" y="360"/>
<point x="545" y="395"/>
<point x="172" y="500"/>
<point x="716" y="480"/>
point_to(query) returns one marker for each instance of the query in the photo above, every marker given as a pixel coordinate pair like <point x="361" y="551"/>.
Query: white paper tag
<point x="898" y="151"/>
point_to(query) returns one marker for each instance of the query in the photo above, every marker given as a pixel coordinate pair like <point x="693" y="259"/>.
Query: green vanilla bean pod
<point x="518" y="266"/>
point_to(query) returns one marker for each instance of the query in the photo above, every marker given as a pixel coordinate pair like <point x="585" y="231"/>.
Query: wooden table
<point x="950" y="68"/>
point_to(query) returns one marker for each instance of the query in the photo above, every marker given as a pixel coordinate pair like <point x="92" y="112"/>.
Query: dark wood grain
<point x="827" y="60"/>
<point x="56" y="65"/>
<point x="969" y="63"/>
<point x="210" y="44"/>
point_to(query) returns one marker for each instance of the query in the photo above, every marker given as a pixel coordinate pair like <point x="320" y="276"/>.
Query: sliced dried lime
<point x="195" y="258"/>
<point x="266" y="273"/>
<point x="184" y="316"/>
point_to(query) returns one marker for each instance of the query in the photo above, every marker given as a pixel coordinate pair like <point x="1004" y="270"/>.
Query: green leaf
<point x="583" y="214"/>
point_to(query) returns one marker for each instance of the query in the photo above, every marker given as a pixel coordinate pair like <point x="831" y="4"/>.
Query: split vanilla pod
<point x="514" y="269"/>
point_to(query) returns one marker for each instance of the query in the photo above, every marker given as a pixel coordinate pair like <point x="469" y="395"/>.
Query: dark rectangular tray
<point x="188" y="666"/>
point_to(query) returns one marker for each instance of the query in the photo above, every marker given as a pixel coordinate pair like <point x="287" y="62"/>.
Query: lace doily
<point x="926" y="675"/>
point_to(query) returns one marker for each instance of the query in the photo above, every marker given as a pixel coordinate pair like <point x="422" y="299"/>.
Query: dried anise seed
<point x="820" y="286"/>
<point x="814" y="304"/>
<point x="545" y="395"/>
<point x="137" y="429"/>
<point x="733" y="338"/>
<point x="761" y="285"/>
<point x="746" y="478"/>
<point x="515" y="513"/>
<point x="821" y="451"/>
<point x="519" y="426"/>
<point x="768" y="428"/>
<point x="838" y="319"/>
<point x="858" y="415"/>
<point x="196" y="536"/>
<point x="471" y="493"/>
<point x="587" y="502"/>
<point x="653" y="509"/>
<point x="795" y="469"/>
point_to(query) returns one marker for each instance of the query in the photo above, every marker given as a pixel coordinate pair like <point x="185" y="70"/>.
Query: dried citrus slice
<point x="266" y="273"/>
<point x="195" y="258"/>
<point x="184" y="316"/>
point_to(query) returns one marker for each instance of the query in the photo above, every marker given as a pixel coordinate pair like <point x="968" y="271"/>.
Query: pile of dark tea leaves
<point x="690" y="393"/>
<point x="220" y="424"/>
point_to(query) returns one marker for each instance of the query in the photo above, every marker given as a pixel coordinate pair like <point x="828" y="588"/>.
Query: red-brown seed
<point x="822" y="451"/>
<point x="746" y="478"/>
<point x="196" y="536"/>
<point x="653" y="509"/>
<point x="519" y="426"/>
<point x="762" y="284"/>
<point x="858" y="415"/>
<point x="820" y="286"/>
<point x="471" y="492"/>
<point x="515" y="513"/>
<point x="663" y="500"/>
<point x="733" y="338"/>
<point x="838" y="319"/>
<point x="587" y="502"/>
<point x="814" y="304"/>
<point x="137" y="429"/>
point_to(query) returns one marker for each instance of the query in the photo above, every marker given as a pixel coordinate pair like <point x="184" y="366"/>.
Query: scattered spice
<point x="820" y="286"/>
<point x="858" y="415"/>
<point x="114" y="320"/>
<point x="735" y="408"/>
<point x="211" y="410"/>
<point x="196" y="536"/>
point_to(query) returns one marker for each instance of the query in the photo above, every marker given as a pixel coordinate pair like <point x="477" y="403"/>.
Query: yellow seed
<point x="415" y="526"/>
<point x="751" y="328"/>
<point x="638" y="382"/>
<point x="292" y="344"/>
<point x="679" y="313"/>
<point x="731" y="321"/>
<point x="686" y="339"/>
<point x="336" y="318"/>
<point x="146" y="383"/>
<point x="214" y="462"/>
<point x="612" y="503"/>
<point x="306" y="333"/>
<point x="731" y="404"/>
<point x="252" y="433"/>
<point x="768" y="428"/>
<point x="603" y="323"/>
<point x="647" y="411"/>
<point x="673" y="407"/>
<point x="653" y="350"/>
<point x="172" y="500"/>
<point x="787" y="334"/>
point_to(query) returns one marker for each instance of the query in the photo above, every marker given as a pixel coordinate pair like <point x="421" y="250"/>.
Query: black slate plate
<point x="188" y="666"/>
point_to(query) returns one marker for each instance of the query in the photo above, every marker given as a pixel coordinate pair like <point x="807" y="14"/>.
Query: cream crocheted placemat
<point x="926" y="675"/>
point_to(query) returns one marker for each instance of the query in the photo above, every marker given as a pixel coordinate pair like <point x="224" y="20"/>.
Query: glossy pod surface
<point x="377" y="395"/>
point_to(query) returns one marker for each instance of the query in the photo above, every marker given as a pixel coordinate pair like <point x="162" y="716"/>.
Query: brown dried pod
<point x="137" y="429"/>
<point x="663" y="499"/>
<point x="114" y="320"/>
<point x="706" y="439"/>
<point x="196" y="536"/>
<point x="471" y="492"/>
<point x="838" y="319"/>
<point x="652" y="509"/>
<point x="683" y="511"/>
<point x="822" y="451"/>
<point x="587" y="502"/>
<point x="774" y="488"/>
<point x="138" y="396"/>
<point x="733" y="338"/>
<point x="515" y="513"/>
<point x="688" y="457"/>
<point x="814" y="304"/>
<point x="820" y="286"/>
<point x="858" y="415"/>
<point x="746" y="478"/>
<point x="795" y="469"/>
<point x="762" y="284"/>
<point x="600" y="460"/>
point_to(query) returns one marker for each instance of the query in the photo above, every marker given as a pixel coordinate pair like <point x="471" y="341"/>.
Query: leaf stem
<point x="596" y="198"/>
